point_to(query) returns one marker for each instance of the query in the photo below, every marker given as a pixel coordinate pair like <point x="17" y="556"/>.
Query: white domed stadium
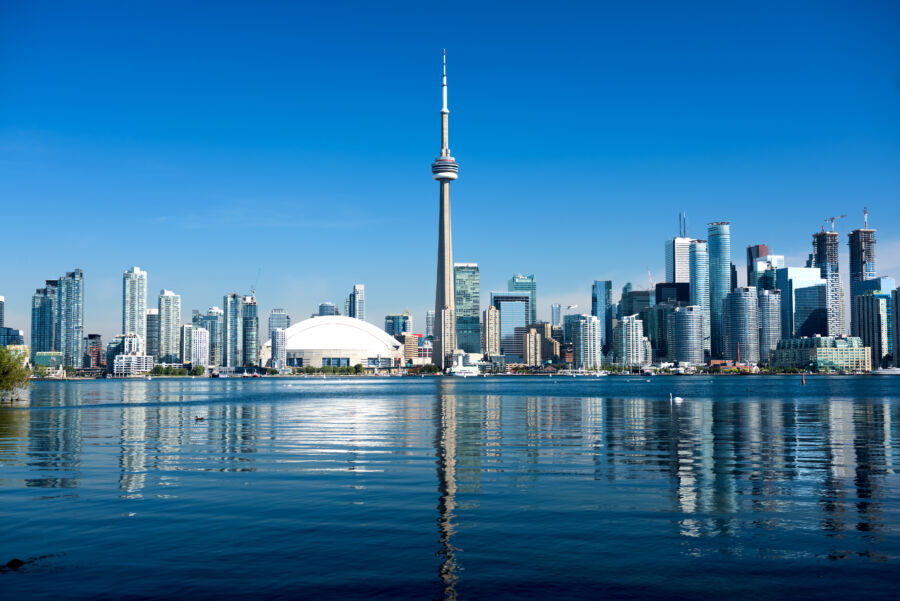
<point x="337" y="341"/>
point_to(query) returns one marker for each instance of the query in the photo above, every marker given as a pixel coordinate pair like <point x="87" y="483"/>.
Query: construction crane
<point x="255" y="282"/>
<point x="833" y="219"/>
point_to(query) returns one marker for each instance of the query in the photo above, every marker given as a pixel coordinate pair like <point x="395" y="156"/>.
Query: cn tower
<point x="444" y="170"/>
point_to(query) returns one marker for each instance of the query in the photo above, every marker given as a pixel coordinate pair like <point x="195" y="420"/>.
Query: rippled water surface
<point x="490" y="488"/>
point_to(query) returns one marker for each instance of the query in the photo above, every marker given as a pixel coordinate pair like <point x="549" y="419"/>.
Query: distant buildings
<point x="632" y="348"/>
<point x="93" y="351"/>
<point x="233" y="331"/>
<point x="699" y="286"/>
<point x="820" y="353"/>
<point x="200" y="348"/>
<point x="587" y="342"/>
<point x="754" y="253"/>
<point x="555" y="315"/>
<point x="249" y="331"/>
<point x="355" y="305"/>
<point x="467" y="286"/>
<point x="862" y="264"/>
<point x="603" y="308"/>
<point x="429" y="324"/>
<point x="769" y="315"/>
<point x="803" y="302"/>
<point x="152" y="328"/>
<point x="398" y="323"/>
<point x="279" y="319"/>
<point x="490" y="334"/>
<point x="678" y="266"/>
<point x="872" y="318"/>
<point x="214" y="323"/>
<point x="43" y="319"/>
<point x="326" y="309"/>
<point x="686" y="340"/>
<point x="514" y="309"/>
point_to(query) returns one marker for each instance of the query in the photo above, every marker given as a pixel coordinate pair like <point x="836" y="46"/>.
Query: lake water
<point x="439" y="488"/>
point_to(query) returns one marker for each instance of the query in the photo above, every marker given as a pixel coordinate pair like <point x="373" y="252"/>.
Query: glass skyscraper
<point x="356" y="303"/>
<point x="699" y="289"/>
<point x="719" y="239"/>
<point x="43" y="318"/>
<point x="862" y="266"/>
<point x="740" y="326"/>
<point x="555" y="315"/>
<point x="769" y="315"/>
<point x="213" y="322"/>
<point x="232" y="330"/>
<point x="278" y="319"/>
<point x="134" y="302"/>
<point x="686" y="341"/>
<point x="399" y="323"/>
<point x="250" y="331"/>
<point x="602" y="308"/>
<point x="70" y="318"/>
<point x="803" y="311"/>
<point x="169" y="326"/>
<point x="514" y="310"/>
<point x="152" y="342"/>
<point x="467" y="286"/>
<point x="678" y="267"/>
<point x="525" y="283"/>
<point x="826" y="257"/>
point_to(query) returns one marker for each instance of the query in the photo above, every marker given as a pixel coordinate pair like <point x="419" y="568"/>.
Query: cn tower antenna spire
<point x="445" y="109"/>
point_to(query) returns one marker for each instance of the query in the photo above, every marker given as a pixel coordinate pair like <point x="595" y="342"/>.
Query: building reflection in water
<point x="445" y="447"/>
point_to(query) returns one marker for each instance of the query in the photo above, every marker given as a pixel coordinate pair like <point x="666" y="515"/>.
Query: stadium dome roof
<point x="339" y="333"/>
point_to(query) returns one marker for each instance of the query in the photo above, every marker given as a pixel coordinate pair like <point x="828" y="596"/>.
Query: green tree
<point x="358" y="368"/>
<point x="13" y="373"/>
<point x="198" y="370"/>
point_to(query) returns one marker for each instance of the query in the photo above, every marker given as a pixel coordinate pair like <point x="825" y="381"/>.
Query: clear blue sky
<point x="204" y="141"/>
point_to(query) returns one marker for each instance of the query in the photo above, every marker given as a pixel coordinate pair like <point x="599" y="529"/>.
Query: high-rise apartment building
<point x="200" y="347"/>
<point x="631" y="345"/>
<point x="134" y="302"/>
<point x="587" y="342"/>
<point x="355" y="306"/>
<point x="686" y="340"/>
<point x="43" y="319"/>
<point x="169" y="306"/>
<point x="93" y="351"/>
<point x="740" y="325"/>
<point x="186" y="342"/>
<point x="151" y="345"/>
<point x="678" y="262"/>
<point x="769" y="315"/>
<point x="825" y="257"/>
<point x="875" y="285"/>
<point x="555" y="315"/>
<point x="526" y="283"/>
<point x="278" y="318"/>
<point x="514" y="308"/>
<point x="699" y="260"/>
<point x="490" y="334"/>
<point x="70" y="321"/>
<point x="803" y="302"/>
<point x="872" y="315"/>
<point x="279" y="349"/>
<point x="719" y="238"/>
<point x="895" y="310"/>
<point x="467" y="285"/>
<point x="862" y="254"/>
<point x="603" y="308"/>
<point x="250" y="331"/>
<point x="214" y="323"/>
<point x="754" y="253"/>
<point x="232" y="330"/>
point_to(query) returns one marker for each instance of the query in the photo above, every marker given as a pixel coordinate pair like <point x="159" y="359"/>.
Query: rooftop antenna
<point x="866" y="216"/>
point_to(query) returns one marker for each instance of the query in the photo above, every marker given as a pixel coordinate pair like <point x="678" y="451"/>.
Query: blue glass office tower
<point x="467" y="286"/>
<point x="699" y="289"/>
<point x="526" y="283"/>
<point x="250" y="331"/>
<point x="43" y="318"/>
<point x="514" y="310"/>
<point x="232" y="331"/>
<point x="803" y="302"/>
<point x="603" y="309"/>
<point x="719" y="239"/>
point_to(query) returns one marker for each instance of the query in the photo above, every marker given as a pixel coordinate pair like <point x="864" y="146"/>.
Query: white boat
<point x="464" y="371"/>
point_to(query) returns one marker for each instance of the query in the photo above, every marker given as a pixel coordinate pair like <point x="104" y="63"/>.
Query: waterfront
<point x="486" y="488"/>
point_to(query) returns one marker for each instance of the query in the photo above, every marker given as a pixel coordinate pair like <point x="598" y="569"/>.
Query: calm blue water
<point x="492" y="488"/>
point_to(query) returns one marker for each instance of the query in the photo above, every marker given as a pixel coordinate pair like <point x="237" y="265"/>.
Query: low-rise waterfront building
<point x="821" y="353"/>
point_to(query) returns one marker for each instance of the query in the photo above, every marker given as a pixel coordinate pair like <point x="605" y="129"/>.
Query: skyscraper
<point x="429" y="324"/>
<point x="200" y="348"/>
<point x="134" y="302"/>
<point x="326" y="309"/>
<point x="186" y="343"/>
<point x="2" y="311"/>
<point x="232" y="331"/>
<point x="93" y="351"/>
<point x="875" y="285"/>
<point x="754" y="253"/>
<point x="678" y="267"/>
<point x="895" y="304"/>
<point x="444" y="170"/>
<point x="490" y="336"/>
<point x="526" y="283"/>
<point x="398" y="323"/>
<point x="602" y="308"/>
<point x="278" y="318"/>
<point x="250" y="331"/>
<point x="151" y="345"/>
<point x="214" y="323"/>
<point x="279" y="349"/>
<point x="43" y="318"/>
<point x="825" y="256"/>
<point x="762" y="272"/>
<point x="740" y="326"/>
<point x="699" y="259"/>
<point x="587" y="341"/>
<point x="803" y="300"/>
<point x="631" y="349"/>
<point x="862" y="253"/>
<point x="70" y="319"/>
<point x="686" y="341"/>
<point x="169" y="326"/>
<point x="514" y="308"/>
<point x="769" y="315"/>
<point x="719" y="237"/>
<point x="356" y="302"/>
<point x="467" y="283"/>
<point x="873" y="317"/>
<point x="555" y="315"/>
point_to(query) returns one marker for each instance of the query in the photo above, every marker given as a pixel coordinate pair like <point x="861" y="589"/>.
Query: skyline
<point x="114" y="163"/>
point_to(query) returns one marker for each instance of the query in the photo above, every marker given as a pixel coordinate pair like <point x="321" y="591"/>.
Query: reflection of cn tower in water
<point x="445" y="447"/>
<point x="444" y="170"/>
